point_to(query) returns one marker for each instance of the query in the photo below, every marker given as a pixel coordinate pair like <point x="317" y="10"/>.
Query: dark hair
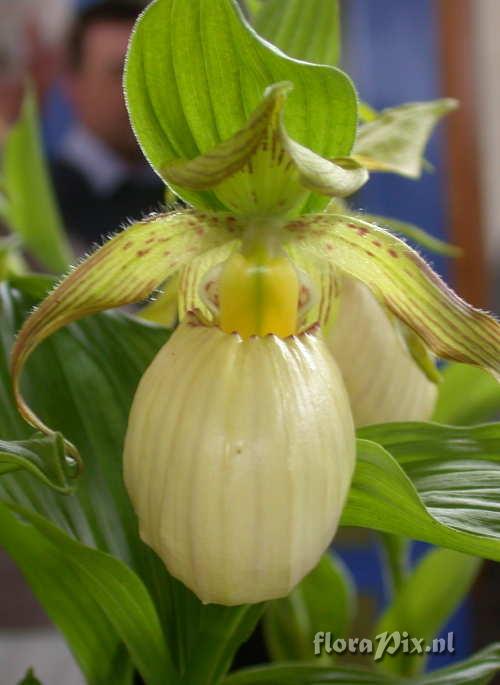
<point x="108" y="10"/>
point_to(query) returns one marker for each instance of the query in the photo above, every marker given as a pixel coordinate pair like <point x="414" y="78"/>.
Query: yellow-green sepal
<point x="394" y="140"/>
<point x="260" y="170"/>
<point x="126" y="269"/>
<point x="405" y="284"/>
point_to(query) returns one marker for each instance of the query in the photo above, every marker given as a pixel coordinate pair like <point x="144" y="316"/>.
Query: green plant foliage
<point x="41" y="456"/>
<point x="217" y="70"/>
<point x="425" y="601"/>
<point x="478" y="670"/>
<point x="30" y="207"/>
<point x="324" y="600"/>
<point x="96" y="601"/>
<point x="440" y="496"/>
<point x="467" y="395"/>
<point x="306" y="30"/>
<point x="30" y="679"/>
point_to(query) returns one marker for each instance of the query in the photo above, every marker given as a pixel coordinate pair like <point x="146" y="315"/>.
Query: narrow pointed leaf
<point x="309" y="31"/>
<point x="395" y="141"/>
<point x="118" y="591"/>
<point x="89" y="634"/>
<point x="30" y="207"/>
<point x="196" y="71"/>
<point x="403" y="281"/>
<point x="441" y="488"/>
<point x="427" y="599"/>
<point x="261" y="171"/>
<point x="126" y="269"/>
<point x="41" y="456"/>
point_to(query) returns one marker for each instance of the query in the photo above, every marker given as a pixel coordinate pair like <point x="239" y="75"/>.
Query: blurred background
<point x="73" y="52"/>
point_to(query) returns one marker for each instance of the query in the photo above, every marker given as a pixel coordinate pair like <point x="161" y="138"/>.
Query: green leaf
<point x="196" y="71"/>
<point x="324" y="600"/>
<point x="304" y="674"/>
<point x="406" y="284"/>
<point x="123" y="599"/>
<point x="309" y="31"/>
<point x="126" y="269"/>
<point x="41" y="456"/>
<point x="427" y="482"/>
<point x="414" y="233"/>
<point x="31" y="207"/>
<point x="30" y="679"/>
<point x="477" y="670"/>
<point x="88" y="632"/>
<point x="396" y="139"/>
<point x="479" y="403"/>
<point x="424" y="603"/>
<point x="261" y="171"/>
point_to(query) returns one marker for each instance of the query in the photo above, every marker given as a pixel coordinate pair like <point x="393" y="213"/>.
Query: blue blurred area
<point x="390" y="49"/>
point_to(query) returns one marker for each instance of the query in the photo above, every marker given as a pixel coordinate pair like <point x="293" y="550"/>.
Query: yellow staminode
<point x="258" y="295"/>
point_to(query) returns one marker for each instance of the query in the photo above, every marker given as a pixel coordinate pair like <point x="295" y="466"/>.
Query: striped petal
<point x="405" y="284"/>
<point x="124" y="270"/>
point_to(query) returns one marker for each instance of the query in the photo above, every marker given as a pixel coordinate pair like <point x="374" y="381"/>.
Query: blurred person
<point x="100" y="175"/>
<point x="31" y="39"/>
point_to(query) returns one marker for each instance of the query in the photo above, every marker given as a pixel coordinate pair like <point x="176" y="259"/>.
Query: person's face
<point x="96" y="86"/>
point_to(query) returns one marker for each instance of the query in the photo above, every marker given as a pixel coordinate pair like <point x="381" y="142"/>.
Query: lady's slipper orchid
<point x="238" y="459"/>
<point x="240" y="446"/>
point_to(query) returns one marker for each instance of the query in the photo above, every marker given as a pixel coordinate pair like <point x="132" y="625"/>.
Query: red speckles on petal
<point x="329" y="247"/>
<point x="127" y="245"/>
<point x="361" y="231"/>
<point x="376" y="243"/>
<point x="393" y="253"/>
<point x="142" y="253"/>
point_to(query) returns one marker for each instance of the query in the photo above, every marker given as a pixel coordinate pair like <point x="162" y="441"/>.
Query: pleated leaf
<point x="432" y="483"/>
<point x="406" y="284"/>
<point x="116" y="601"/>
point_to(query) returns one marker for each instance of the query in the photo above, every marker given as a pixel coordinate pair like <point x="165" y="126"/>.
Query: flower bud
<point x="238" y="459"/>
<point x="383" y="380"/>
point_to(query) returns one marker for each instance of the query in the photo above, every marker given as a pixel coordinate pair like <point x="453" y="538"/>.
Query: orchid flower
<point x="241" y="443"/>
